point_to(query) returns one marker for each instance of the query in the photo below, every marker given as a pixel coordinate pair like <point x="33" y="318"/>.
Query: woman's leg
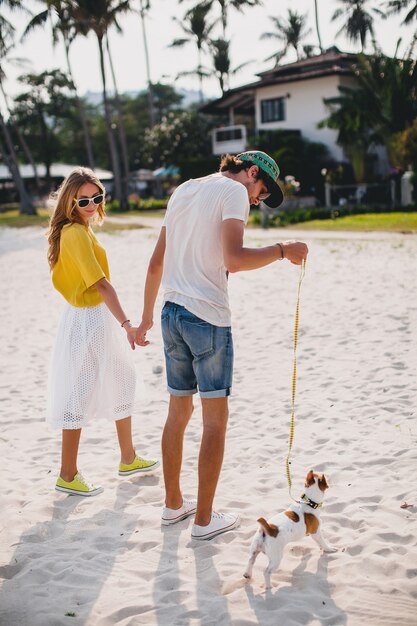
<point x="70" y="444"/>
<point x="124" y="434"/>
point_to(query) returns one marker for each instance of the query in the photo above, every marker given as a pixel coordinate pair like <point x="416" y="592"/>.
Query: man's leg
<point x="215" y="414"/>
<point x="179" y="413"/>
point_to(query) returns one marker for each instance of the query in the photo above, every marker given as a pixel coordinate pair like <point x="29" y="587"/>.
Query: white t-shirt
<point x="194" y="272"/>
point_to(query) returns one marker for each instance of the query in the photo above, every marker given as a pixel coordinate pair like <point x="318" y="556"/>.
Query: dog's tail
<point x="270" y="529"/>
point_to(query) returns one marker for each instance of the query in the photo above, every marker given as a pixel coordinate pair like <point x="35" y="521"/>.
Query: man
<point x="201" y="241"/>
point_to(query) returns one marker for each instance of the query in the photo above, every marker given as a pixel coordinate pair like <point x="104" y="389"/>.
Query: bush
<point x="297" y="216"/>
<point x="142" y="204"/>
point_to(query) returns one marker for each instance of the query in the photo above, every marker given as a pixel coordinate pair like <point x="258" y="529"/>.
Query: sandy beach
<point x="107" y="561"/>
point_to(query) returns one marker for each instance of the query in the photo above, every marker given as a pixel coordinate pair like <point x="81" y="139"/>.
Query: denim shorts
<point x="198" y="355"/>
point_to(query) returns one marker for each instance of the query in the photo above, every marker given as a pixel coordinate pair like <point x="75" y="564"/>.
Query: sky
<point x="244" y="30"/>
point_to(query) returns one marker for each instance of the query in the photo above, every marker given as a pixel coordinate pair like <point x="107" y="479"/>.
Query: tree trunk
<point x="147" y="64"/>
<point x="21" y="140"/>
<point x="200" y="75"/>
<point x="45" y="144"/>
<point x="317" y="25"/>
<point x="81" y="113"/>
<point x="121" y="127"/>
<point x="110" y="136"/>
<point x="224" y="17"/>
<point x="26" y="205"/>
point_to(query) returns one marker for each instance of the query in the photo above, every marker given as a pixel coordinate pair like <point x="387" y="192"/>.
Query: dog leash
<point x="294" y="380"/>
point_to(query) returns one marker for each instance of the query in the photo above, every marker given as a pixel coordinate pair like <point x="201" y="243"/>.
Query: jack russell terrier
<point x="302" y="519"/>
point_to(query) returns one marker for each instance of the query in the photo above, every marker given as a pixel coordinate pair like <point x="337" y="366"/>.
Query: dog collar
<point x="314" y="505"/>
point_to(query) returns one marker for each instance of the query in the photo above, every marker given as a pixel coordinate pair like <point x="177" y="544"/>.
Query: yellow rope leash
<point x="294" y="378"/>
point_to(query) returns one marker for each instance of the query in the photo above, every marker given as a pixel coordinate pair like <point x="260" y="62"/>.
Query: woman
<point x="92" y="372"/>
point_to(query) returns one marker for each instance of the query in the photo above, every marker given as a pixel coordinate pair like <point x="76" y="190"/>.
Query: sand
<point x="106" y="560"/>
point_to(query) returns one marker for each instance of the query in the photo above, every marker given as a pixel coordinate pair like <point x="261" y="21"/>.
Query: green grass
<point x="394" y="222"/>
<point x="13" y="219"/>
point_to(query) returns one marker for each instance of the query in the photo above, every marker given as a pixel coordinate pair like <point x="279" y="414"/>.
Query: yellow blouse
<point x="82" y="262"/>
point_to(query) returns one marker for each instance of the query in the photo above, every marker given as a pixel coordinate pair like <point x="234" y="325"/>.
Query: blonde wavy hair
<point x="65" y="211"/>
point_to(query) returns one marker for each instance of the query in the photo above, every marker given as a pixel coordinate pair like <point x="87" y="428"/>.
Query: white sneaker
<point x="219" y="523"/>
<point x="172" y="516"/>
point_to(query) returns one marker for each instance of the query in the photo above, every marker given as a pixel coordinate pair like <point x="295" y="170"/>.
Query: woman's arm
<point x="153" y="281"/>
<point x="109" y="295"/>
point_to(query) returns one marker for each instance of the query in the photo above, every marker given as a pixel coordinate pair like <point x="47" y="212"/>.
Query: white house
<point x="290" y="97"/>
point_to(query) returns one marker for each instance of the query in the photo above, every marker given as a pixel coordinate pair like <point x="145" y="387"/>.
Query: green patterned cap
<point x="267" y="165"/>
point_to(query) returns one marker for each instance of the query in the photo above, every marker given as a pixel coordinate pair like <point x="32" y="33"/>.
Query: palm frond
<point x="38" y="20"/>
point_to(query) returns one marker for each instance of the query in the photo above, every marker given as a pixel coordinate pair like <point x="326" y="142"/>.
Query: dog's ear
<point x="309" y="479"/>
<point x="323" y="483"/>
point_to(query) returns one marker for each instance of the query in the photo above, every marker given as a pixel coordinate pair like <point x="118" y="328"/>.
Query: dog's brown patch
<point x="270" y="529"/>
<point x="292" y="515"/>
<point x="309" y="479"/>
<point x="312" y="523"/>
<point x="323" y="483"/>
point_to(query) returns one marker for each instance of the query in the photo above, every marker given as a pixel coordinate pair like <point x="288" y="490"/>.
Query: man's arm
<point x="153" y="281"/>
<point x="238" y="259"/>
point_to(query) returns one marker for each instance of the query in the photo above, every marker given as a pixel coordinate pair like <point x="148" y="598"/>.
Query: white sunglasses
<point x="83" y="203"/>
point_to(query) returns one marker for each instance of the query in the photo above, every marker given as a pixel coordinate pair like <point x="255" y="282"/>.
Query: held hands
<point x="295" y="251"/>
<point x="131" y="334"/>
<point x="141" y="331"/>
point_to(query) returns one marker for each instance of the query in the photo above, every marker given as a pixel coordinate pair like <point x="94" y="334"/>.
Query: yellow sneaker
<point x="77" y="487"/>
<point x="138" y="465"/>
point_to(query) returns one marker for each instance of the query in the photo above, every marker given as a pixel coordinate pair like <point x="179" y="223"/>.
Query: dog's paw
<point x="246" y="575"/>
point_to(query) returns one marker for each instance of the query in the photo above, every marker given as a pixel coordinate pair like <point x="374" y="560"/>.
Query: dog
<point x="301" y="519"/>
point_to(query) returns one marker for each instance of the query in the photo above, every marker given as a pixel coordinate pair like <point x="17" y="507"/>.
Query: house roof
<point x="329" y="63"/>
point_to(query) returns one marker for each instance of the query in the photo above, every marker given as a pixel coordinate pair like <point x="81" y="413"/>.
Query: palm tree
<point x="120" y="121"/>
<point x="290" y="32"/>
<point x="358" y="20"/>
<point x="47" y="101"/>
<point x="396" y="6"/>
<point x="145" y="5"/>
<point x="6" y="45"/>
<point x="221" y="60"/>
<point x="8" y="150"/>
<point x="98" y="16"/>
<point x="197" y="29"/>
<point x="383" y="104"/>
<point x="316" y="14"/>
<point x="64" y="25"/>
<point x="225" y="5"/>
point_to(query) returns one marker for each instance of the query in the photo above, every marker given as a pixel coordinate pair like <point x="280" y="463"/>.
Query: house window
<point x="272" y="110"/>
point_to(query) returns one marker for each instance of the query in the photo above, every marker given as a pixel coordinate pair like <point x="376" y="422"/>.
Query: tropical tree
<point x="225" y="5"/>
<point x="383" y="104"/>
<point x="179" y="135"/>
<point x="316" y="15"/>
<point x="7" y="149"/>
<point x="358" y="20"/>
<point x="239" y="5"/>
<point x="98" y="16"/>
<point x="290" y="32"/>
<point x="7" y="44"/>
<point x="354" y="130"/>
<point x="120" y="121"/>
<point x="405" y="148"/>
<point x="197" y="29"/>
<point x="40" y="109"/>
<point x="397" y="6"/>
<point x="64" y="27"/>
<point x="219" y="49"/>
<point x="145" y="6"/>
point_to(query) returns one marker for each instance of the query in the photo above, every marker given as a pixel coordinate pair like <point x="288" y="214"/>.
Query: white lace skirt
<point x="92" y="371"/>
